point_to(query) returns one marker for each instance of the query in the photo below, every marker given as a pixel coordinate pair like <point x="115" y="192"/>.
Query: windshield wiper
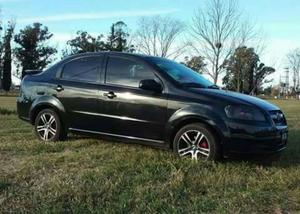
<point x="213" y="87"/>
<point x="193" y="85"/>
<point x="198" y="85"/>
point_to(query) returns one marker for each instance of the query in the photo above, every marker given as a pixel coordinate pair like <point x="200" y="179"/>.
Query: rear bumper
<point x="261" y="141"/>
<point x="23" y="109"/>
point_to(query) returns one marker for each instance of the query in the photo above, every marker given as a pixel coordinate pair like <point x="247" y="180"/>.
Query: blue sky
<point x="279" y="19"/>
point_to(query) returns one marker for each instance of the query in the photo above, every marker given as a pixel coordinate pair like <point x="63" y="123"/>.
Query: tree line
<point x="216" y="43"/>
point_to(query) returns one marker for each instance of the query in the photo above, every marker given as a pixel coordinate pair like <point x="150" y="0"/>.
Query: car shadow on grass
<point x="288" y="158"/>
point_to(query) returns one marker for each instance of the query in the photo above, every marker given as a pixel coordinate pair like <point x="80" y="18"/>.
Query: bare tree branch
<point x="294" y="63"/>
<point x="158" y="35"/>
<point x="217" y="31"/>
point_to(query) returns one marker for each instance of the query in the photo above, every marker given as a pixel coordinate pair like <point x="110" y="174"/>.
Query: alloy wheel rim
<point x="195" y="144"/>
<point x="46" y="127"/>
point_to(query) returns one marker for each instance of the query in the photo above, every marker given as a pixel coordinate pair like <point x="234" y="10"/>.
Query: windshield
<point x="181" y="74"/>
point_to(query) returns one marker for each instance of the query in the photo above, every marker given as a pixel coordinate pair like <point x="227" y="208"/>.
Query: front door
<point x="126" y="109"/>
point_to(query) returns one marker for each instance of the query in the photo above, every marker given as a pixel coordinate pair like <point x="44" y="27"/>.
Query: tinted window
<point x="127" y="72"/>
<point x="83" y="69"/>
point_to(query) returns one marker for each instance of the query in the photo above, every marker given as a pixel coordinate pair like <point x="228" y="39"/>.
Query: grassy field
<point x="8" y="103"/>
<point x="85" y="175"/>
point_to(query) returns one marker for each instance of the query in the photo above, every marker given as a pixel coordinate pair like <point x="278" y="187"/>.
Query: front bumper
<point x="257" y="140"/>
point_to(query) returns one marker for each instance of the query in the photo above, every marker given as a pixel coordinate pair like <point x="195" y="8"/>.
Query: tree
<point x="195" y="63"/>
<point x="32" y="51"/>
<point x="84" y="42"/>
<point x="268" y="90"/>
<point x="244" y="71"/>
<point x="158" y="36"/>
<point x="261" y="71"/>
<point x="294" y="63"/>
<point x="1" y="54"/>
<point x="275" y="91"/>
<point x="6" y="79"/>
<point x="217" y="30"/>
<point x="118" y="38"/>
<point x="240" y="70"/>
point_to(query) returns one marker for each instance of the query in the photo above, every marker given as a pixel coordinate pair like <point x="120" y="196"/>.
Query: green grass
<point x="8" y="103"/>
<point x="86" y="175"/>
<point x="11" y="93"/>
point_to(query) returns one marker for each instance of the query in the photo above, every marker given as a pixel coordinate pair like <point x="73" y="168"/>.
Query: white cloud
<point x="15" y="80"/>
<point x="95" y="16"/>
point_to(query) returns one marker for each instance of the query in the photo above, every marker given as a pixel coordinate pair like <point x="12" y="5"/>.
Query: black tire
<point x="49" y="132"/>
<point x="209" y="140"/>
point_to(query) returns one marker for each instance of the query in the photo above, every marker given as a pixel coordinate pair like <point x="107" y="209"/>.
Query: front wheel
<point x="197" y="141"/>
<point x="48" y="126"/>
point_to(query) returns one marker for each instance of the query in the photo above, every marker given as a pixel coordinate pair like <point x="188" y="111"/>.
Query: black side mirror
<point x="150" y="85"/>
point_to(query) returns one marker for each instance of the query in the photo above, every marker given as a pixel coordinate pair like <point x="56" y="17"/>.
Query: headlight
<point x="244" y="113"/>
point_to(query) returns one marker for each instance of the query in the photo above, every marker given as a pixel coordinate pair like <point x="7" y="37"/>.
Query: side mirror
<point x="150" y="85"/>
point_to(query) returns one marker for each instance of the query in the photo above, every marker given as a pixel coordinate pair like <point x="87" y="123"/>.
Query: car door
<point x="128" y="110"/>
<point x="77" y="89"/>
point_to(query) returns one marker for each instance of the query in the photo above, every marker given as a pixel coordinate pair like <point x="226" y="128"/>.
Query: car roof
<point x="103" y="52"/>
<point x="109" y="52"/>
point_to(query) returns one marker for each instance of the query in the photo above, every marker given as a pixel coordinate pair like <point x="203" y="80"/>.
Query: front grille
<point x="278" y="118"/>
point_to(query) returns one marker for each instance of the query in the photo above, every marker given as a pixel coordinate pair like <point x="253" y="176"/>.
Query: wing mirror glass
<point x="151" y="85"/>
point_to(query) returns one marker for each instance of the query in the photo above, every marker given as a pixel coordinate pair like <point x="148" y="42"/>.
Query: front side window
<point x="126" y="72"/>
<point x="83" y="69"/>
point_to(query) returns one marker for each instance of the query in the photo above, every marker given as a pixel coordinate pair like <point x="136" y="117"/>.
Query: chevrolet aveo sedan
<point x="148" y="100"/>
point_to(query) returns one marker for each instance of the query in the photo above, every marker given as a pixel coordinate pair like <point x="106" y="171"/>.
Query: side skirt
<point x="144" y="141"/>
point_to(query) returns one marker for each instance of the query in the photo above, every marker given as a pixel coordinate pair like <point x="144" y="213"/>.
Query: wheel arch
<point x="184" y="117"/>
<point x="46" y="102"/>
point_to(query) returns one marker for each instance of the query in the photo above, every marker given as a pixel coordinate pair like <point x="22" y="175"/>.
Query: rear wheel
<point x="48" y="126"/>
<point x="196" y="141"/>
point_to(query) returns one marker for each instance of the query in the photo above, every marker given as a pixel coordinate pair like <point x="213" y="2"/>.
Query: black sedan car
<point x="149" y="100"/>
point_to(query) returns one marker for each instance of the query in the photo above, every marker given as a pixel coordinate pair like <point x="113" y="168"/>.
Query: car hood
<point x="237" y="98"/>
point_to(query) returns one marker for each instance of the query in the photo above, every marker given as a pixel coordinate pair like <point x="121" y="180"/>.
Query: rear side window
<point x="84" y="69"/>
<point x="127" y="72"/>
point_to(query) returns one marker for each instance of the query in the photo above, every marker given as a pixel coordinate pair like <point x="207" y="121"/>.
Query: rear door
<point x="77" y="89"/>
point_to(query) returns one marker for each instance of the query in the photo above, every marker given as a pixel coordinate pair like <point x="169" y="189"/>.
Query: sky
<point x="278" y="20"/>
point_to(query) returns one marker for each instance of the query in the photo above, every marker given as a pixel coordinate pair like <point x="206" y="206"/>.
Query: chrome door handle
<point x="109" y="95"/>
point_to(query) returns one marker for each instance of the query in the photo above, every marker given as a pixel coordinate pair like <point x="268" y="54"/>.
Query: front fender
<point x="197" y="113"/>
<point x="44" y="102"/>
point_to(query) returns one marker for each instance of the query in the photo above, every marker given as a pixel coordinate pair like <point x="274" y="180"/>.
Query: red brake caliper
<point x="203" y="144"/>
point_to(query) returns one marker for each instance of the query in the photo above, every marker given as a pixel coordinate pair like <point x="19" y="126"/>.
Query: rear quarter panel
<point x="36" y="90"/>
